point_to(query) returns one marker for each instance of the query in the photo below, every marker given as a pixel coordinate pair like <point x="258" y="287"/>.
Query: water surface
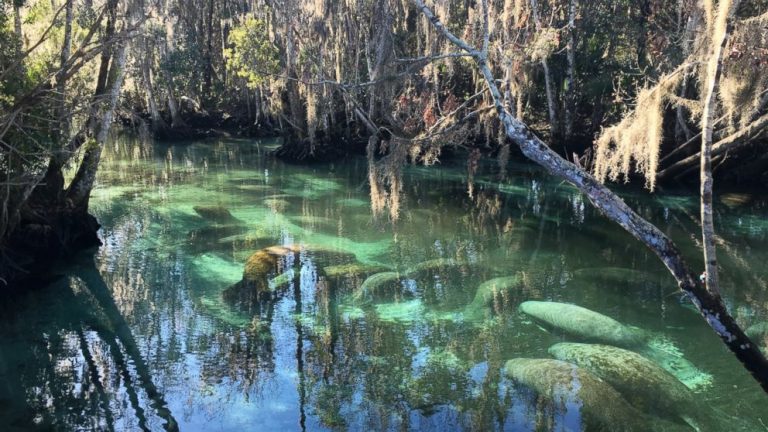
<point x="140" y="335"/>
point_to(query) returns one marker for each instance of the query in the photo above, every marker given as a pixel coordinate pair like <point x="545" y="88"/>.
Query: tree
<point x="41" y="216"/>
<point x="709" y="303"/>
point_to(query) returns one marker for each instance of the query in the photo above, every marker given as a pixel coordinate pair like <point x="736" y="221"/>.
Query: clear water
<point x="140" y="337"/>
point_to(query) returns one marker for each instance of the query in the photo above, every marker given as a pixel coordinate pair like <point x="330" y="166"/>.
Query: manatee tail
<point x="666" y="354"/>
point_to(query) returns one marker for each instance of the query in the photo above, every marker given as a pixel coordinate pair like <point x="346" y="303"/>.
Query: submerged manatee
<point x="583" y="323"/>
<point x="218" y="214"/>
<point x="567" y="391"/>
<point x="260" y="267"/>
<point x="353" y="270"/>
<point x="373" y="283"/>
<point x="642" y="382"/>
<point x="488" y="292"/>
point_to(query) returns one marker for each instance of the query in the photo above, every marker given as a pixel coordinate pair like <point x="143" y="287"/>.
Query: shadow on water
<point x="92" y="351"/>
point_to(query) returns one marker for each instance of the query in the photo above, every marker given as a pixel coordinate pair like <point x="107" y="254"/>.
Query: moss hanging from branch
<point x="634" y="143"/>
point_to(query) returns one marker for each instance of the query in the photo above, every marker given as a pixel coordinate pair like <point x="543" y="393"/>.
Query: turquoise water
<point x="156" y="329"/>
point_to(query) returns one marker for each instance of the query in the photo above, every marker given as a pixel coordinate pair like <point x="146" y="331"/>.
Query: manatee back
<point x="642" y="382"/>
<point x="562" y="387"/>
<point x="583" y="323"/>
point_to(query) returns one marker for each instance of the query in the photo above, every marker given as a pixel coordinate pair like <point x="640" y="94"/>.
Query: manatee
<point x="218" y="214"/>
<point x="562" y="387"/>
<point x="486" y="293"/>
<point x="260" y="267"/>
<point x="734" y="200"/>
<point x="373" y="283"/>
<point x="583" y="323"/>
<point x="264" y="260"/>
<point x="352" y="270"/>
<point x="266" y="273"/>
<point x="642" y="382"/>
<point x="666" y="354"/>
<point x="283" y="279"/>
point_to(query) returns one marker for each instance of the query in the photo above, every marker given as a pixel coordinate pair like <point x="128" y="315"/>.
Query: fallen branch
<point x="734" y="141"/>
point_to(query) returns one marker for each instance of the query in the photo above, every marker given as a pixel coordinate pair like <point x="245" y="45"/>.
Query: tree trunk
<point x="109" y="33"/>
<point x="732" y="142"/>
<point x="710" y="307"/>
<point x="61" y="82"/>
<point x="54" y="178"/>
<point x="554" y="129"/>
<point x="208" y="73"/>
<point x="173" y="108"/>
<point x="158" y="124"/>
<point x="570" y="75"/>
<point x="17" y="26"/>
<point x="80" y="189"/>
<point x="553" y="126"/>
<point x="714" y="68"/>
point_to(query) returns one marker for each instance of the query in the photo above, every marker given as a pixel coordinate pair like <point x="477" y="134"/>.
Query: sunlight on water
<point x="235" y="292"/>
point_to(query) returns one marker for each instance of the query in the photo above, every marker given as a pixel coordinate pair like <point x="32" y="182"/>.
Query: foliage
<point x="251" y="54"/>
